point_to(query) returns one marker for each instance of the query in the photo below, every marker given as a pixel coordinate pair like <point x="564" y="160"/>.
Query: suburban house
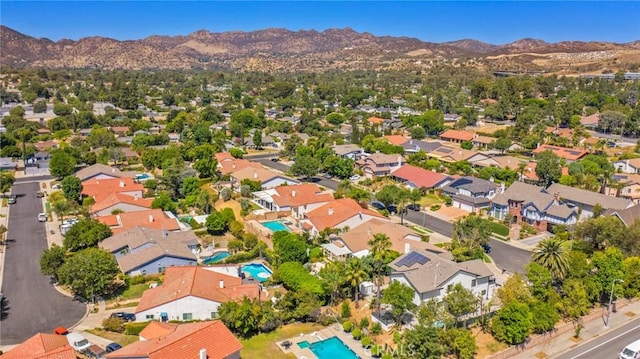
<point x="590" y="121"/>
<point x="569" y="154"/>
<point x="628" y="166"/>
<point x="415" y="146"/>
<point x="419" y="178"/>
<point x="151" y="218"/>
<point x="228" y="164"/>
<point x="631" y="189"/>
<point x="454" y="154"/>
<point x="470" y="193"/>
<point x="120" y="131"/>
<point x="267" y="178"/>
<point x="142" y="251"/>
<point x="100" y="171"/>
<point x="375" y="121"/>
<point x="8" y="164"/>
<point x="120" y="202"/>
<point x="337" y="214"/>
<point x="502" y="162"/>
<point x="430" y="274"/>
<point x="397" y="140"/>
<point x="297" y="200"/>
<point x="210" y="340"/>
<point x="103" y="191"/>
<point x="480" y="141"/>
<point x="585" y="200"/>
<point x="380" y="164"/>
<point x="351" y="151"/>
<point x="355" y="242"/>
<point x="192" y="293"/>
<point x="42" y="346"/>
<point x="457" y="136"/>
<point x="627" y="216"/>
<point x="531" y="204"/>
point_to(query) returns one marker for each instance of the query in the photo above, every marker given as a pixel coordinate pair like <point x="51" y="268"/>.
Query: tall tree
<point x="548" y="168"/>
<point x="400" y="297"/>
<point x="72" y="188"/>
<point x="551" y="253"/>
<point x="459" y="301"/>
<point x="90" y="272"/>
<point x="379" y="245"/>
<point x="6" y="181"/>
<point x="62" y="164"/>
<point x="354" y="276"/>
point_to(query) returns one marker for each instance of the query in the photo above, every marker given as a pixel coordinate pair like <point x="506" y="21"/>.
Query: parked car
<point x="95" y="352"/>
<point x="414" y="207"/>
<point x="486" y="248"/>
<point x="61" y="331"/>
<point x="328" y="176"/>
<point x="39" y="194"/>
<point x="12" y="199"/>
<point x="354" y="177"/>
<point x="129" y="317"/>
<point x="42" y="217"/>
<point x="274" y="159"/>
<point x="378" y="205"/>
<point x="56" y="186"/>
<point x="113" y="347"/>
<point x="78" y="342"/>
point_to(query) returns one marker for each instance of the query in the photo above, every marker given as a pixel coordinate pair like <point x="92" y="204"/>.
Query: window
<point x="149" y="317"/>
<point x="484" y="292"/>
<point x="187" y="316"/>
<point x="144" y="272"/>
<point x="474" y="282"/>
<point x="161" y="269"/>
<point x="214" y="315"/>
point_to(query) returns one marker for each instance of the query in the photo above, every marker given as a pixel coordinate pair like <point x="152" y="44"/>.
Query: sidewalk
<point x="593" y="327"/>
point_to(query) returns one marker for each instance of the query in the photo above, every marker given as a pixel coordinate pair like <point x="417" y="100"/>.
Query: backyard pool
<point x="257" y="270"/>
<point x="216" y="257"/>
<point x="332" y="348"/>
<point x="276" y="226"/>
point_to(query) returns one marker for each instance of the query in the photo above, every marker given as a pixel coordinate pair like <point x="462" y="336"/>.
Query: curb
<point x="4" y="250"/>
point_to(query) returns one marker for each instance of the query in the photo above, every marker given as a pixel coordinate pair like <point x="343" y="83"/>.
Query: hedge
<point x="135" y="328"/>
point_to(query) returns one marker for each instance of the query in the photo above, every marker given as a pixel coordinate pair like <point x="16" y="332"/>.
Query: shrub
<point x="357" y="334"/>
<point x="435" y="207"/>
<point x="326" y="319"/>
<point x="347" y="326"/>
<point x="194" y="224"/>
<point x="364" y="323"/>
<point x="113" y="325"/>
<point x="345" y="310"/>
<point x="225" y="194"/>
<point x="366" y="342"/>
<point x="376" y="328"/>
<point x="135" y="328"/>
<point x="236" y="228"/>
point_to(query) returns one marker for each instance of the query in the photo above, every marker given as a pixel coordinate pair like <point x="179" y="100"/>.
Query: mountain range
<point x="308" y="50"/>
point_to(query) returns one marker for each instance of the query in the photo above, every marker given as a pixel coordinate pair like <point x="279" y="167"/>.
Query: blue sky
<point x="496" y="22"/>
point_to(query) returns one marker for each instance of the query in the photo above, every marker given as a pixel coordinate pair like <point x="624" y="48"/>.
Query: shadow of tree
<point x="4" y="308"/>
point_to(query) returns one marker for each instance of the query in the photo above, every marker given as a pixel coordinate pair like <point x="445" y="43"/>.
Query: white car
<point x="42" y="217"/>
<point x="631" y="351"/>
<point x="354" y="177"/>
<point x="78" y="342"/>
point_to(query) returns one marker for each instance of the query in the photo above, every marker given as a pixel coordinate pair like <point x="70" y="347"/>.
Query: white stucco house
<point x="340" y="214"/>
<point x="298" y="199"/>
<point x="268" y="178"/>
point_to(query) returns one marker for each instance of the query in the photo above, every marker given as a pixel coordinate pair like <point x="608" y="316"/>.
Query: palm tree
<point x="552" y="253"/>
<point x="354" y="276"/>
<point x="521" y="168"/>
<point x="204" y="200"/>
<point x="380" y="245"/>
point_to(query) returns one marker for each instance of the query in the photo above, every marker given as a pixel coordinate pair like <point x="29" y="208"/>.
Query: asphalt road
<point x="434" y="223"/>
<point x="33" y="179"/>
<point x="32" y="304"/>
<point x="508" y="257"/>
<point x="608" y="345"/>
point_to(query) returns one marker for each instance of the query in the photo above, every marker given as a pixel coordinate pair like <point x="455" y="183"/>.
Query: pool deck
<point x="334" y="330"/>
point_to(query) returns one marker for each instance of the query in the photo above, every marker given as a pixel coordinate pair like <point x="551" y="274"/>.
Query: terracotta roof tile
<point x="185" y="341"/>
<point x="114" y="199"/>
<point x="153" y="218"/>
<point x="375" y="120"/>
<point x="457" y="135"/>
<point x="180" y="282"/>
<point x="227" y="166"/>
<point x="42" y="346"/>
<point x="300" y="195"/>
<point x="562" y="152"/>
<point x="396" y="139"/>
<point x="420" y="177"/>
<point x="156" y="329"/>
<point x="100" y="189"/>
<point x="333" y="213"/>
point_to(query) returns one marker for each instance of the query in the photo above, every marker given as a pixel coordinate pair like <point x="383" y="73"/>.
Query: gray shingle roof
<point x="473" y="184"/>
<point x="589" y="198"/>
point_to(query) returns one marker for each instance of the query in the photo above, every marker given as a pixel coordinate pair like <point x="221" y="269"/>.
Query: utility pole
<point x="613" y="283"/>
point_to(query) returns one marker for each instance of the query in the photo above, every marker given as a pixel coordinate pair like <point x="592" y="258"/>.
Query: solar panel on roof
<point x="411" y="259"/>
<point x="444" y="150"/>
<point x="573" y="152"/>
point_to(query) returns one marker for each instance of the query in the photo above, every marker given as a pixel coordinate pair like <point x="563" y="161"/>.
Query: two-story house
<point x="380" y="164"/>
<point x="297" y="199"/>
<point x="586" y="201"/>
<point x="351" y="151"/>
<point x="470" y="193"/>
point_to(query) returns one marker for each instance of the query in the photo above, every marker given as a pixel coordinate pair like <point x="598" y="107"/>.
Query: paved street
<point x="428" y="221"/>
<point x="508" y="257"/>
<point x="32" y="304"/>
<point x="608" y="345"/>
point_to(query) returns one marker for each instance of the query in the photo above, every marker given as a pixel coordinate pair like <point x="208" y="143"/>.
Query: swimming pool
<point x="332" y="348"/>
<point x="276" y="226"/>
<point x="257" y="270"/>
<point x="216" y="257"/>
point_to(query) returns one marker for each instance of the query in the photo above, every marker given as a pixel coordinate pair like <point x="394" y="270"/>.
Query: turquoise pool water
<point x="276" y="226"/>
<point x="257" y="271"/>
<point x="304" y="344"/>
<point x="216" y="257"/>
<point x="332" y="348"/>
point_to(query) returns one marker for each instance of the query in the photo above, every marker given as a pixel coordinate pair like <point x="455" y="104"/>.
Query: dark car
<point x="113" y="347"/>
<point x="274" y="159"/>
<point x="95" y="352"/>
<point x="129" y="317"/>
<point x="414" y="207"/>
<point x="392" y="208"/>
<point x="377" y="205"/>
<point x="486" y="248"/>
<point x="39" y="194"/>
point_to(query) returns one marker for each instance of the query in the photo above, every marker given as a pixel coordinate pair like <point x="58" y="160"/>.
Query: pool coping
<point x="323" y="334"/>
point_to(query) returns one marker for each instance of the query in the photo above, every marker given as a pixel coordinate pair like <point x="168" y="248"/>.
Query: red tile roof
<point x="153" y="218"/>
<point x="157" y="329"/>
<point x="375" y="120"/>
<point x="100" y="189"/>
<point x="227" y="166"/>
<point x="42" y="346"/>
<point x="591" y="120"/>
<point x="185" y="341"/>
<point x="457" y="135"/>
<point x="117" y="198"/>
<point x="336" y="212"/>
<point x="420" y="177"/>
<point x="566" y="153"/>
<point x="181" y="282"/>
<point x="396" y="139"/>
<point x="300" y="195"/>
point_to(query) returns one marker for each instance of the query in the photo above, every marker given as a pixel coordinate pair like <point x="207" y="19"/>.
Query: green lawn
<point x="429" y="200"/>
<point x="499" y="229"/>
<point x="134" y="291"/>
<point x="264" y="345"/>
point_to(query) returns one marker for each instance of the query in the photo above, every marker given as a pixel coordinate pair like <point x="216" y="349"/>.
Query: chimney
<point x="255" y="175"/>
<point x="203" y="354"/>
<point x="399" y="161"/>
<point x="233" y="165"/>
<point x="151" y="218"/>
<point x="407" y="248"/>
<point x="221" y="283"/>
<point x="331" y="211"/>
<point x="293" y="193"/>
<point x="556" y="196"/>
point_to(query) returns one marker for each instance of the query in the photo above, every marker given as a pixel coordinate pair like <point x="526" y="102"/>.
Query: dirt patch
<point x="452" y="212"/>
<point x="630" y="314"/>
<point x="235" y="206"/>
<point x="541" y="355"/>
<point x="487" y="345"/>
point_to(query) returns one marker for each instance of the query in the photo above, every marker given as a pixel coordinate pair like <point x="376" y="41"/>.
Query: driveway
<point x="32" y="304"/>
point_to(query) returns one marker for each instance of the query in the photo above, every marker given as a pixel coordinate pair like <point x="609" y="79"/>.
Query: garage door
<point x="462" y="206"/>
